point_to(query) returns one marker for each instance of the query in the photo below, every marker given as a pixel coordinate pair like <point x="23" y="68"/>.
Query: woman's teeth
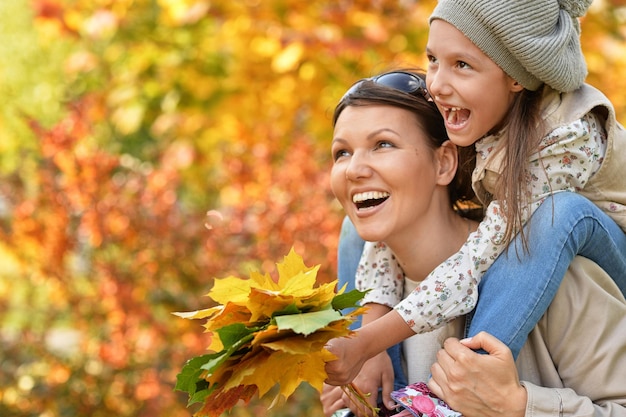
<point x="369" y="198"/>
<point x="370" y="195"/>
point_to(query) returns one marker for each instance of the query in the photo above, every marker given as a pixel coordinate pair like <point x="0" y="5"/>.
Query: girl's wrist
<point x="379" y="335"/>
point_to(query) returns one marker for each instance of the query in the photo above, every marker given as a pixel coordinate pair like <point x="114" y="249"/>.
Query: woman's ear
<point x="448" y="158"/>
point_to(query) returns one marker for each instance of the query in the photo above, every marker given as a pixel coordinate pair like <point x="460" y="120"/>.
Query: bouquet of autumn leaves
<point x="266" y="333"/>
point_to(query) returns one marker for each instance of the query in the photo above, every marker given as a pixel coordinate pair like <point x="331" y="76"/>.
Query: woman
<point x="390" y="144"/>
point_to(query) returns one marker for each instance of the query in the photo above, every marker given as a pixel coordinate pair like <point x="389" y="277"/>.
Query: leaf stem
<point x="359" y="399"/>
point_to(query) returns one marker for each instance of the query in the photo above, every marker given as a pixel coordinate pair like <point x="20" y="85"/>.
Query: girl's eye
<point x="431" y="59"/>
<point x="464" y="65"/>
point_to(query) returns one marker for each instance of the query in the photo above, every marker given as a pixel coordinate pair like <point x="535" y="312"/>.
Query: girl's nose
<point x="438" y="83"/>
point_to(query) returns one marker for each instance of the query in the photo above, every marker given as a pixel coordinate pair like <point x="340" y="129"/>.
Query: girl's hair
<point x="523" y="134"/>
<point x="368" y="92"/>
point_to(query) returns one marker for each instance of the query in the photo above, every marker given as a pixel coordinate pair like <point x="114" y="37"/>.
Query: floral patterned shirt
<point x="566" y="159"/>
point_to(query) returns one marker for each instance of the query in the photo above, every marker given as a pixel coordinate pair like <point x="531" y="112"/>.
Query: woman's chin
<point x="371" y="235"/>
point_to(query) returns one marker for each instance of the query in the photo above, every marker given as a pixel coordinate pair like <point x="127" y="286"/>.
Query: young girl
<point x="508" y="78"/>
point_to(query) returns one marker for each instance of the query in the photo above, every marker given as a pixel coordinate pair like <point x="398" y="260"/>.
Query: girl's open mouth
<point x="455" y="116"/>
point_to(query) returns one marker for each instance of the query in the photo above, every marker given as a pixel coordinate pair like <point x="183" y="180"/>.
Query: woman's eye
<point x="340" y="153"/>
<point x="384" y="144"/>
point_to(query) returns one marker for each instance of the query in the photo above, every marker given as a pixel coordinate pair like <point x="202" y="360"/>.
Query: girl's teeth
<point x="452" y="114"/>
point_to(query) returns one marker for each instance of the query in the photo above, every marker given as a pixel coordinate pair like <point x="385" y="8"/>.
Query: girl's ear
<point x="448" y="162"/>
<point x="515" y="86"/>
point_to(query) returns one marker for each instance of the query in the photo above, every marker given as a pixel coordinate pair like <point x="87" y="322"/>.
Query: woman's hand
<point x="332" y="399"/>
<point x="476" y="384"/>
<point x="351" y="366"/>
<point x="377" y="373"/>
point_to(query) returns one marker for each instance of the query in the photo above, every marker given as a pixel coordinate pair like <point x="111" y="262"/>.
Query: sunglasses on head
<point x="398" y="80"/>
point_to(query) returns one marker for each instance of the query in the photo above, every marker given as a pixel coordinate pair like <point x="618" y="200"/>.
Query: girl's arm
<point x="380" y="274"/>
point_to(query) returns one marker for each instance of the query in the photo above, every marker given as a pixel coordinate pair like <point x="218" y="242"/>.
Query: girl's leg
<point x="348" y="257"/>
<point x="518" y="288"/>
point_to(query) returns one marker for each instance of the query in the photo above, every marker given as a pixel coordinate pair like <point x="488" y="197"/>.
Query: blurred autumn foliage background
<point x="148" y="146"/>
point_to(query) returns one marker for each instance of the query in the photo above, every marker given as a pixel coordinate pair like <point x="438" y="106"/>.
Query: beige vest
<point x="607" y="188"/>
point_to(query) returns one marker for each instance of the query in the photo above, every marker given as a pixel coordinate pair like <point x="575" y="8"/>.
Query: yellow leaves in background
<point x="288" y="59"/>
<point x="181" y="12"/>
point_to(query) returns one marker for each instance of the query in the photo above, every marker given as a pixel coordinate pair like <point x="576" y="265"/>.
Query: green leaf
<point x="307" y="323"/>
<point x="233" y="333"/>
<point x="190" y="373"/>
<point x="289" y="310"/>
<point x="348" y="300"/>
<point x="201" y="393"/>
<point x="219" y="359"/>
<point x="233" y="337"/>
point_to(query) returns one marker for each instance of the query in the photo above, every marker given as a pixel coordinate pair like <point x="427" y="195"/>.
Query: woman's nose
<point x="358" y="167"/>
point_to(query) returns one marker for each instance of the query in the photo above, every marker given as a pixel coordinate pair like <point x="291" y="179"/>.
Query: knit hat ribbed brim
<point x="534" y="41"/>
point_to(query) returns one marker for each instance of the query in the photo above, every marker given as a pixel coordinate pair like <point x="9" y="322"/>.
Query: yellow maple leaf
<point x="228" y="314"/>
<point x="300" y="344"/>
<point x="263" y="304"/>
<point x="199" y="314"/>
<point x="300" y="284"/>
<point x="230" y="289"/>
<point x="269" y="334"/>
<point x="286" y="370"/>
<point x="291" y="266"/>
<point x="318" y="299"/>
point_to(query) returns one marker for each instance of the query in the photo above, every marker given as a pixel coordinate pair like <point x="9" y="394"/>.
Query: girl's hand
<point x="349" y="360"/>
<point x="476" y="384"/>
<point x="370" y="340"/>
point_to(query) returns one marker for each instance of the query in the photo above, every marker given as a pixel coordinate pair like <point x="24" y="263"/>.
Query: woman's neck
<point x="423" y="250"/>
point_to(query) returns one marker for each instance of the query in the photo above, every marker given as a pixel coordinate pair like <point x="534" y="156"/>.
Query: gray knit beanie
<point x="533" y="41"/>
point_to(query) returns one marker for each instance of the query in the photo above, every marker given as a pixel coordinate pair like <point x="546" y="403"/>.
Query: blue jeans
<point x="516" y="291"/>
<point x="565" y="225"/>
<point x="348" y="256"/>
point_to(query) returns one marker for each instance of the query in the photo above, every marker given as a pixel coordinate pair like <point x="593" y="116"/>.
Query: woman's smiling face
<point x="384" y="172"/>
